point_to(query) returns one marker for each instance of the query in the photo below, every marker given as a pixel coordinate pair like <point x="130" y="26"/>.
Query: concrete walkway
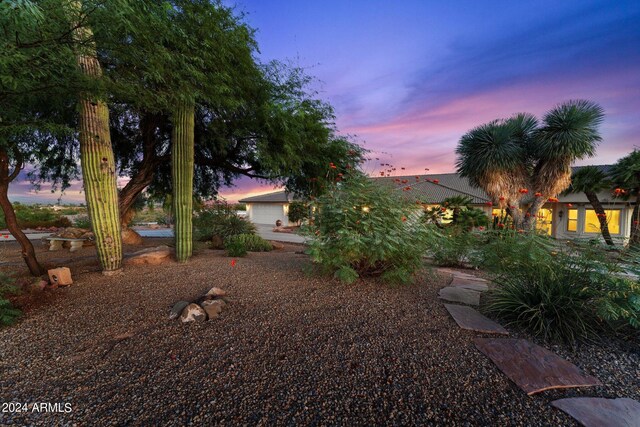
<point x="265" y="231"/>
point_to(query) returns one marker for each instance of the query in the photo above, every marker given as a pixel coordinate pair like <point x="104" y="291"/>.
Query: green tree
<point x="626" y="176"/>
<point x="298" y="212"/>
<point x="513" y="157"/>
<point x="36" y="91"/>
<point x="591" y="180"/>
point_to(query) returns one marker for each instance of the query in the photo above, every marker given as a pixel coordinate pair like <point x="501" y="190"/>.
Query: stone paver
<point x="469" y="284"/>
<point x="457" y="294"/>
<point x="531" y="367"/>
<point x="600" y="412"/>
<point x="469" y="318"/>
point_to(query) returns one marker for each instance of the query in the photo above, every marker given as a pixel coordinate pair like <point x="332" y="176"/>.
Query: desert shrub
<point x="8" y="313"/>
<point x="500" y="250"/>
<point x="471" y="218"/>
<point x="33" y="216"/>
<point x="82" y="221"/>
<point x="361" y="228"/>
<point x="235" y="248"/>
<point x="252" y="242"/>
<point x="298" y="212"/>
<point x="563" y="293"/>
<point x="452" y="247"/>
<point x="220" y="220"/>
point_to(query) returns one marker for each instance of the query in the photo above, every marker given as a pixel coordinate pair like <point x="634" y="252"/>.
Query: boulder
<point x="131" y="237"/>
<point x="177" y="309"/>
<point x="193" y="313"/>
<point x="213" y="308"/>
<point x="60" y="276"/>
<point x="276" y="245"/>
<point x="216" y="292"/>
<point x="217" y="242"/>
<point x="150" y="256"/>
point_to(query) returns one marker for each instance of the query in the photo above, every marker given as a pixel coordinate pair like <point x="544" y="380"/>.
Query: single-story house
<point x="268" y="208"/>
<point x="572" y="217"/>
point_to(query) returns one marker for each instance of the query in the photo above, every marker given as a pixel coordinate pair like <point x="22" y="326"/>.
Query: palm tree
<point x="590" y="180"/>
<point x="513" y="157"/>
<point x="569" y="133"/>
<point x="626" y="175"/>
<point x="493" y="156"/>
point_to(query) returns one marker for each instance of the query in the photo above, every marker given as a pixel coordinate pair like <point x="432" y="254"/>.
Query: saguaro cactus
<point x="182" y="140"/>
<point x="97" y="160"/>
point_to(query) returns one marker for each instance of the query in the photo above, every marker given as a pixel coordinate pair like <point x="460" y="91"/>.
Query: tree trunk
<point x="604" y="227"/>
<point x="97" y="160"/>
<point x="182" y="152"/>
<point x="535" y="207"/>
<point x="28" y="253"/>
<point x="145" y="173"/>
<point x="516" y="216"/>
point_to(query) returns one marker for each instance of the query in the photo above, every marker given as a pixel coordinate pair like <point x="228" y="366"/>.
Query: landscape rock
<point x="213" y="308"/>
<point x="217" y="242"/>
<point x="60" y="276"/>
<point x="193" y="313"/>
<point x="177" y="309"/>
<point x="216" y="292"/>
<point x="131" y="237"/>
<point x="276" y="245"/>
<point x="150" y="256"/>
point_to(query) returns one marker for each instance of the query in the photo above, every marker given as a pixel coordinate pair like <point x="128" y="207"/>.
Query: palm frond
<point x="570" y="131"/>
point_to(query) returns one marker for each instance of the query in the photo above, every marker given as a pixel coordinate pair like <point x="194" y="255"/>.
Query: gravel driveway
<point x="291" y="349"/>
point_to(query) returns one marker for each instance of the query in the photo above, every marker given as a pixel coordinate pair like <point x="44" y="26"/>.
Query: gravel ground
<point x="290" y="349"/>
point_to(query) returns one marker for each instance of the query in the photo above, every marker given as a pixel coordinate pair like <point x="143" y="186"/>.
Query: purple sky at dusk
<point x="409" y="78"/>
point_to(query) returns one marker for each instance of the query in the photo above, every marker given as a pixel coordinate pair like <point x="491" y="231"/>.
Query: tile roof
<point x="275" y="197"/>
<point x="427" y="191"/>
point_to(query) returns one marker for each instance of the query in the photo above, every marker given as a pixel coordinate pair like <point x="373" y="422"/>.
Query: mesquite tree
<point x="36" y="103"/>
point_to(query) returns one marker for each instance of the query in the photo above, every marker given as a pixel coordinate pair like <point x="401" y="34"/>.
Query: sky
<point x="409" y="78"/>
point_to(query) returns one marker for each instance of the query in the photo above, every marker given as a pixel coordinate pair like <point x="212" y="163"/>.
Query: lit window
<point x="572" y="220"/>
<point x="592" y="223"/>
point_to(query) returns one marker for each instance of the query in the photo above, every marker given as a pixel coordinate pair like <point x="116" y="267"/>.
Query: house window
<point x="592" y="223"/>
<point x="543" y="220"/>
<point x="572" y="220"/>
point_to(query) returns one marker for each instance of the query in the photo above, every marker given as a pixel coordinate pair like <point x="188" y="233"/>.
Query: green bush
<point x="252" y="242"/>
<point x="452" y="247"/>
<point x="82" y="222"/>
<point x="561" y="293"/>
<point x="33" y="216"/>
<point x="236" y="248"/>
<point x="361" y="228"/>
<point x="8" y="314"/>
<point x="220" y="220"/>
<point x="298" y="212"/>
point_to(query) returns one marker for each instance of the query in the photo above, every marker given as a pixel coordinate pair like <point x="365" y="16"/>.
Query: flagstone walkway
<point x="532" y="368"/>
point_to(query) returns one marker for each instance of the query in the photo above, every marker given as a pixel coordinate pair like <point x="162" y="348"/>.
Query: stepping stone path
<point x="469" y="284"/>
<point x="465" y="296"/>
<point x="600" y="412"/>
<point x="471" y="319"/>
<point x="531" y="367"/>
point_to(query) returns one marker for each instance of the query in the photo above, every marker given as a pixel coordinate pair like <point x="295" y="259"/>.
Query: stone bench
<point x="55" y="243"/>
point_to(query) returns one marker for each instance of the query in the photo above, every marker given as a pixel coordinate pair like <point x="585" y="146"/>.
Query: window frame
<point x="620" y="214"/>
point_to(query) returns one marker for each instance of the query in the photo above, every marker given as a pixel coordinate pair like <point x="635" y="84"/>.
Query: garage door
<point x="263" y="213"/>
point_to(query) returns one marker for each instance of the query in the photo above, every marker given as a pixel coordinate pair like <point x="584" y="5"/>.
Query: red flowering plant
<point x="363" y="229"/>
